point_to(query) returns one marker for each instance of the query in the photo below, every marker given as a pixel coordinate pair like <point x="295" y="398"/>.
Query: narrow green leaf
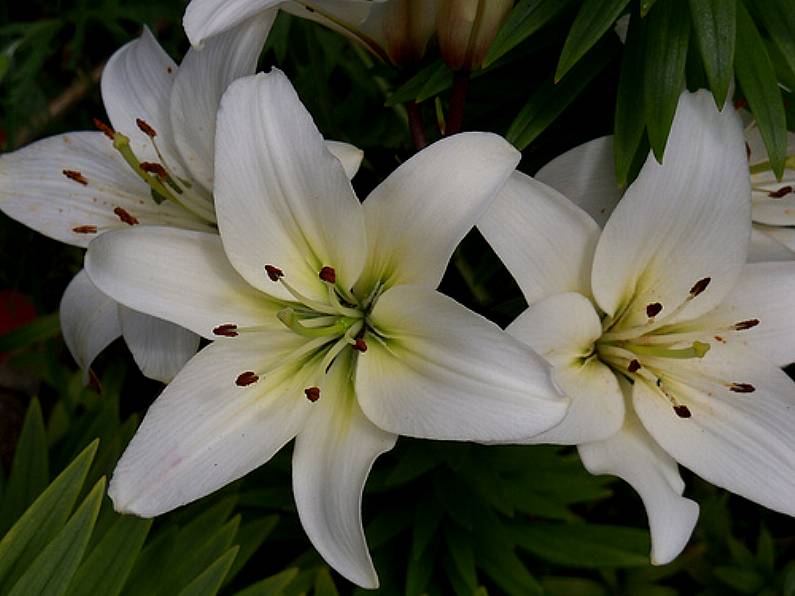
<point x="645" y="6"/>
<point x="107" y="567"/>
<point x="43" y="519"/>
<point x="592" y="21"/>
<point x="42" y="328"/>
<point x="324" y="585"/>
<point x="205" y="524"/>
<point x="271" y="586"/>
<point x="51" y="572"/>
<point x="766" y="551"/>
<point x="744" y="581"/>
<point x="418" y="573"/>
<point x="527" y="17"/>
<point x="508" y="572"/>
<point x="152" y="563"/>
<point x="29" y="470"/>
<point x="209" y="581"/>
<point x="715" y="30"/>
<point x="250" y="537"/>
<point x="778" y="17"/>
<point x="549" y="99"/>
<point x="757" y="78"/>
<point x="426" y="78"/>
<point x="459" y="545"/>
<point x="666" y="36"/>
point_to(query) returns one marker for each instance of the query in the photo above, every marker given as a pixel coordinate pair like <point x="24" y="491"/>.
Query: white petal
<point x="177" y="275"/>
<point x="331" y="461"/>
<point x="206" y="18"/>
<point x="282" y="199"/>
<point x="738" y="441"/>
<point x="545" y="240"/>
<point x="204" y="431"/>
<point x="632" y="455"/>
<point x="563" y="329"/>
<point x="772" y="211"/>
<point x="137" y="83"/>
<point x="586" y="174"/>
<point x="89" y="320"/>
<point x="348" y="155"/>
<point x="160" y="348"/>
<point x="444" y="372"/>
<point x="202" y="78"/>
<point x="419" y="214"/>
<point x="766" y="247"/>
<point x="35" y="191"/>
<point x="679" y="222"/>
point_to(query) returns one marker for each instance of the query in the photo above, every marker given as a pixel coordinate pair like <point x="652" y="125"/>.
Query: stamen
<point x="125" y="216"/>
<point x="76" y="176"/>
<point x="653" y="309"/>
<point x="226" y="330"/>
<point x="85" y="230"/>
<point x="697" y="350"/>
<point x="700" y="286"/>
<point x="634" y="366"/>
<point x="328" y="274"/>
<point x="312" y="393"/>
<point x="777" y="194"/>
<point x="274" y="273"/>
<point x="682" y="411"/>
<point x="146" y="128"/>
<point x="743" y="325"/>
<point x="742" y="388"/>
<point x="246" y="378"/>
<point x="361" y="346"/>
<point x="106" y="130"/>
<point x="154" y="168"/>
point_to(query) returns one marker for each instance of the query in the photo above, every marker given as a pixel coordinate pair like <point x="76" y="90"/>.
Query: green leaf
<point x="665" y="56"/>
<point x="592" y="21"/>
<point x="744" y="581"/>
<point x="430" y="81"/>
<point x="249" y="539"/>
<point x="766" y="551"/>
<point x="107" y="567"/>
<point x="778" y="17"/>
<point x="572" y="586"/>
<point x="271" y="586"/>
<point x="459" y="545"/>
<point x="527" y="17"/>
<point x="153" y="563"/>
<point x="36" y="331"/>
<point x="715" y="29"/>
<point x="51" y="572"/>
<point x="43" y="519"/>
<point x="29" y="470"/>
<point x="324" y="585"/>
<point x="507" y="571"/>
<point x="209" y="581"/>
<point x="549" y="99"/>
<point x="758" y="81"/>
<point x="645" y="6"/>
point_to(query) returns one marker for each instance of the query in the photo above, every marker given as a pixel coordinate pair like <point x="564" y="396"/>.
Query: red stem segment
<point x="455" y="115"/>
<point x="416" y="126"/>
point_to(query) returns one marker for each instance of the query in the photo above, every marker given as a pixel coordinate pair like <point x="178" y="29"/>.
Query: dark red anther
<point x="312" y="393"/>
<point x="700" y="286"/>
<point x="748" y="152"/>
<point x="682" y="411"/>
<point x="328" y="274"/>
<point x="226" y="330"/>
<point x="146" y="128"/>
<point x="360" y="345"/>
<point x="76" y="176"/>
<point x="246" y="378"/>
<point x="634" y="366"/>
<point x="274" y="272"/>
<point x="106" y="130"/>
<point x="154" y="168"/>
<point x="743" y="325"/>
<point x="742" y="388"/>
<point x="740" y="104"/>
<point x="653" y="309"/>
<point x="85" y="230"/>
<point x="777" y="194"/>
<point x="125" y="216"/>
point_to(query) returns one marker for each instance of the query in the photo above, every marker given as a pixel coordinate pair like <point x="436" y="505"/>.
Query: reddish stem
<point x="455" y="115"/>
<point x="415" y="125"/>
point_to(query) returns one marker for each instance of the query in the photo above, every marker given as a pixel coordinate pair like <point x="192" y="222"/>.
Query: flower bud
<point x="467" y="28"/>
<point x="407" y="25"/>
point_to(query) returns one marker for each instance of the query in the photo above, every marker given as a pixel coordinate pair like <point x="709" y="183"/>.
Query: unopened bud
<point x="407" y="25"/>
<point x="467" y="28"/>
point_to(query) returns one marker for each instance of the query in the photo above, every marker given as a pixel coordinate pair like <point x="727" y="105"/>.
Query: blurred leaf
<point x="758" y="81"/>
<point x="594" y="18"/>
<point x="386" y="525"/>
<point x="459" y="545"/>
<point x="209" y="581"/>
<point x="324" y="585"/>
<point x="745" y="581"/>
<point x="42" y="328"/>
<point x="527" y="17"/>
<point x="271" y="586"/>
<point x="507" y="571"/>
<point x="715" y="30"/>
<point x="29" y="471"/>
<point x="766" y="551"/>
<point x="665" y="54"/>
<point x="430" y="81"/>
<point x="572" y="586"/>
<point x="43" y="519"/>
<point x="645" y="6"/>
<point x="250" y="537"/>
<point x="778" y="17"/>
<point x="51" y="572"/>
<point x="152" y="563"/>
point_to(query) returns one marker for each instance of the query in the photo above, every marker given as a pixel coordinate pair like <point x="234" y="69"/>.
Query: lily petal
<point x="331" y="461"/>
<point x="680" y="222"/>
<point x="444" y="372"/>
<point x="633" y="455"/>
<point x="202" y="78"/>
<point x="348" y="155"/>
<point x="89" y="321"/>
<point x="160" y="348"/>
<point x="281" y="198"/>
<point x="563" y="329"/>
<point x="586" y="174"/>
<point x="420" y="213"/>
<point x="35" y="190"/>
<point x="206" y="18"/>
<point x="204" y="431"/>
<point x="545" y="240"/>
<point x="767" y="247"/>
<point x="740" y="441"/>
<point x="195" y="287"/>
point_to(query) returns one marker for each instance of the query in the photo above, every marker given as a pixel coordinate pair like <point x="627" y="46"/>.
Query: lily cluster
<point x="213" y="208"/>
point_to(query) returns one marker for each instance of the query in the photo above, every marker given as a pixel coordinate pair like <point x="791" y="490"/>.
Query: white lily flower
<point x="328" y="325"/>
<point x="667" y="342"/>
<point x="74" y="186"/>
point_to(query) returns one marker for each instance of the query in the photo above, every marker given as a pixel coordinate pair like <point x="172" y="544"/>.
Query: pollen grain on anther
<point x="125" y="216"/>
<point x="146" y="128"/>
<point x="700" y="286"/>
<point x="743" y="325"/>
<point x="85" y="230"/>
<point x="634" y="366"/>
<point x="653" y="309"/>
<point x="312" y="393"/>
<point x="742" y="388"/>
<point x="154" y="168"/>
<point x="106" y="130"/>
<point x="226" y="330"/>
<point x="360" y="345"/>
<point x="76" y="176"/>
<point x="682" y="411"/>
<point x="781" y="192"/>
<point x="328" y="274"/>
<point x="274" y="273"/>
<point x="246" y="378"/>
